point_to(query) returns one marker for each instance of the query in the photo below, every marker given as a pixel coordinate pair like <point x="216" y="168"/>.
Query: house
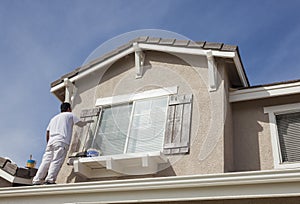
<point x="175" y="121"/>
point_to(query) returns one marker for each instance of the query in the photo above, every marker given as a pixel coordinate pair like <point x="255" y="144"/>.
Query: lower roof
<point x="240" y="185"/>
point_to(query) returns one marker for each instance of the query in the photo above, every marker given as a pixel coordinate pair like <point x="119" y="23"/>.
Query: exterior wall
<point x="252" y="137"/>
<point x="161" y="70"/>
<point x="228" y="127"/>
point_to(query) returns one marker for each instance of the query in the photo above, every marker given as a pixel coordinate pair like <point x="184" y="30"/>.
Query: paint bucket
<point x="30" y="163"/>
<point x="93" y="153"/>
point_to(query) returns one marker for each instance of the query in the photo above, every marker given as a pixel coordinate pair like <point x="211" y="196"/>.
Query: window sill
<point x="288" y="165"/>
<point x="118" y="165"/>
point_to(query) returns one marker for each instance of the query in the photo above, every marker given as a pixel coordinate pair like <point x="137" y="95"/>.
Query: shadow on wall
<point x="246" y="129"/>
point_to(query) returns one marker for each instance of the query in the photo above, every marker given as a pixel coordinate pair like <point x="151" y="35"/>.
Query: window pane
<point x="111" y="135"/>
<point x="289" y="136"/>
<point x="148" y="125"/>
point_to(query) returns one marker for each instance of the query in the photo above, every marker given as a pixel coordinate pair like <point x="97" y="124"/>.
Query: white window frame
<point x="132" y="98"/>
<point x="272" y="112"/>
<point x="119" y="99"/>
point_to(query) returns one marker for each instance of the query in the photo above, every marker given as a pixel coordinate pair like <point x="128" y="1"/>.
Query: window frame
<point x="133" y="98"/>
<point x="272" y="112"/>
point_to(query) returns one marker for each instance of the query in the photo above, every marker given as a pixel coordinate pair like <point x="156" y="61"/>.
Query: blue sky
<point x="41" y="40"/>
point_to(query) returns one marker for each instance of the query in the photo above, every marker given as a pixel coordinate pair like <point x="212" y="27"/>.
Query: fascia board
<point x="6" y="176"/>
<point x="162" y="48"/>
<point x="14" y="179"/>
<point x="183" y="50"/>
<point x="264" y="92"/>
<point x="94" y="68"/>
<point x="241" y="185"/>
<point x="197" y="51"/>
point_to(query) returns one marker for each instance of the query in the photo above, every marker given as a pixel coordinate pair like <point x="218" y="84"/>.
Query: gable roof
<point x="202" y="45"/>
<point x="159" y="44"/>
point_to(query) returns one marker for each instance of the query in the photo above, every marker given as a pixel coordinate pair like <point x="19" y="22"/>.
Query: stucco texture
<point x="252" y="137"/>
<point x="161" y="70"/>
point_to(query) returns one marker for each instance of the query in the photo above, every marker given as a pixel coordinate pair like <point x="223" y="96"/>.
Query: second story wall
<point x="190" y="75"/>
<point x="252" y="136"/>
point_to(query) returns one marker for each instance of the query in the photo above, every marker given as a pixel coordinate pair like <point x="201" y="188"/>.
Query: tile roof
<point x="151" y="40"/>
<point x="18" y="172"/>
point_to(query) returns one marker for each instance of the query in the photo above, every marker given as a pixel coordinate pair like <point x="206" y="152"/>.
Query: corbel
<point x="70" y="91"/>
<point x="139" y="56"/>
<point x="212" y="71"/>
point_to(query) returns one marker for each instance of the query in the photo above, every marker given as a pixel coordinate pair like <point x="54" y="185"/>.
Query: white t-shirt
<point x="61" y="127"/>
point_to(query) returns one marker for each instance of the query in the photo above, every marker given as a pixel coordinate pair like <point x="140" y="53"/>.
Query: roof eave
<point x="175" y="46"/>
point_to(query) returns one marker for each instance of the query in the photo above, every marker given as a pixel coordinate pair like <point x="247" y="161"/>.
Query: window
<point x="135" y="132"/>
<point x="131" y="128"/>
<point x="143" y="125"/>
<point x="285" y="132"/>
<point x="288" y="126"/>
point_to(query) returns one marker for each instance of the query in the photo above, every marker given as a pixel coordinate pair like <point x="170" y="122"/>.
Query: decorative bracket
<point x="139" y="60"/>
<point x="212" y="71"/>
<point x="70" y="91"/>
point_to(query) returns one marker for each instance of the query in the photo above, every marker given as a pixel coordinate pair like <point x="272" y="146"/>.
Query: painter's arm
<point x="83" y="123"/>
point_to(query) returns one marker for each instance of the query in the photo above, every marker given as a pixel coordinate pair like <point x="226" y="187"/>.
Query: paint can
<point x="93" y="153"/>
<point x="30" y="163"/>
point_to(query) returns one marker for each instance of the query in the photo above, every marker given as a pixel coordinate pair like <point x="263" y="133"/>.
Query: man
<point x="58" y="136"/>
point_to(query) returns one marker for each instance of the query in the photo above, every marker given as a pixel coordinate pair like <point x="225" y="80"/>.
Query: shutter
<point x="288" y="126"/>
<point x="177" y="135"/>
<point x="88" y="131"/>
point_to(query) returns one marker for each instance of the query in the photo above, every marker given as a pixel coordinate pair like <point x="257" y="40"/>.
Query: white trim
<point x="186" y="50"/>
<point x="264" y="92"/>
<point x="241" y="185"/>
<point x="197" y="51"/>
<point x="139" y="56"/>
<point x="212" y="72"/>
<point x="94" y="68"/>
<point x="272" y="112"/>
<point x="13" y="179"/>
<point x="136" y="96"/>
<point x="135" y="164"/>
<point x="162" y="48"/>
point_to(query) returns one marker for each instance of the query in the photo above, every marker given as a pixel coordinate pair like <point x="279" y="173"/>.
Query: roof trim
<point x="240" y="185"/>
<point x="157" y="44"/>
<point x="14" y="179"/>
<point x="267" y="91"/>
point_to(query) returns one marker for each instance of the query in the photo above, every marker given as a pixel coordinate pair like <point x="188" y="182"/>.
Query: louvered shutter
<point x="288" y="126"/>
<point x="177" y="135"/>
<point x="88" y="131"/>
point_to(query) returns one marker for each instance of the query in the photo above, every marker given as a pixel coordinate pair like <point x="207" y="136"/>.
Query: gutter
<point x="240" y="185"/>
<point x="264" y="92"/>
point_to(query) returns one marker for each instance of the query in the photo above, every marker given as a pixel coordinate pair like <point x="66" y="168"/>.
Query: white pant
<point x="52" y="161"/>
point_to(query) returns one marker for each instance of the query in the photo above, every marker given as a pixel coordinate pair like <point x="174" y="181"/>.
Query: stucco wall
<point x="252" y="138"/>
<point x="161" y="70"/>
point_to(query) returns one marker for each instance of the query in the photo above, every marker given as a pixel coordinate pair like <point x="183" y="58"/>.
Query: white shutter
<point x="288" y="126"/>
<point x="88" y="131"/>
<point x="177" y="136"/>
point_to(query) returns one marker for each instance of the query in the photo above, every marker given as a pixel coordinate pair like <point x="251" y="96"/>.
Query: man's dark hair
<point x="64" y="107"/>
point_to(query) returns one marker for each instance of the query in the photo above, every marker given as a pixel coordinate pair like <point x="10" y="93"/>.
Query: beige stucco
<point x="252" y="137"/>
<point x="190" y="74"/>
<point x="225" y="137"/>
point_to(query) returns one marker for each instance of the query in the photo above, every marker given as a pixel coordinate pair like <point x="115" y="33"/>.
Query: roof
<point x="15" y="175"/>
<point x="203" y="45"/>
<point x="272" y="184"/>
